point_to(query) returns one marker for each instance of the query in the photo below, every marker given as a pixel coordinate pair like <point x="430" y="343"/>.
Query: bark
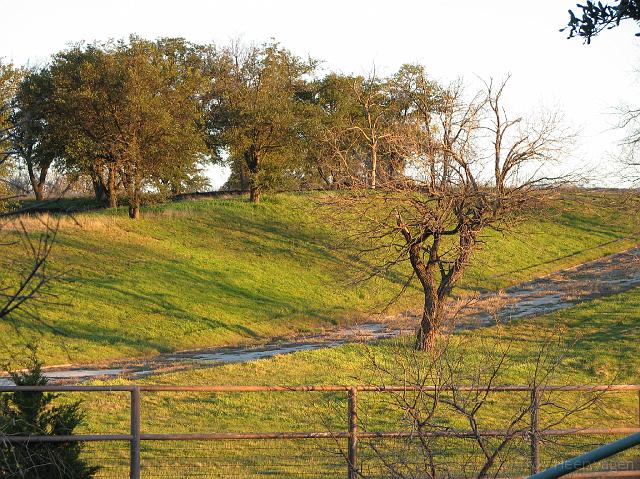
<point x="134" y="186"/>
<point x="252" y="161"/>
<point x="374" y="166"/>
<point x="255" y="194"/>
<point x="99" y="190"/>
<point x="134" y="209"/>
<point x="38" y="191"/>
<point x="37" y="180"/>
<point x="99" y="184"/>
<point x="244" y="182"/>
<point x="37" y="184"/>
<point x="112" y="193"/>
<point x="431" y="323"/>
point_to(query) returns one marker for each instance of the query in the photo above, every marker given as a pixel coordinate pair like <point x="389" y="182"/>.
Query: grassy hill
<point x="598" y="340"/>
<point x="223" y="271"/>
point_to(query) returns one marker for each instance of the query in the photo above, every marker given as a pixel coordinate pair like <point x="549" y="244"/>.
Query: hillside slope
<point x="218" y="272"/>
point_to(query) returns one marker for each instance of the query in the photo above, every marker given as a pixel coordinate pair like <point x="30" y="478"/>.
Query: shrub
<point x="35" y="413"/>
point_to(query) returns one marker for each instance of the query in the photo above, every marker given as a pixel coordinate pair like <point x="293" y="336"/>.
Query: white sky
<point x="465" y="38"/>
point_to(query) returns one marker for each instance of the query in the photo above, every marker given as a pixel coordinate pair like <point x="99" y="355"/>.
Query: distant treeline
<point x="130" y="117"/>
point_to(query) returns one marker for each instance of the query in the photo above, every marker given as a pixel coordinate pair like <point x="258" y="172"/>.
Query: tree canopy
<point x="133" y="116"/>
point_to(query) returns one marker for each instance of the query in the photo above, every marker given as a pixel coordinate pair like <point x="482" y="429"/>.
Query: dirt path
<point x="608" y="275"/>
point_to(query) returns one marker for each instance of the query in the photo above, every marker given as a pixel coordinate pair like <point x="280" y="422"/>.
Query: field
<point x="583" y="335"/>
<point x="222" y="272"/>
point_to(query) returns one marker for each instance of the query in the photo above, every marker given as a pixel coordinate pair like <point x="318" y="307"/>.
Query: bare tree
<point x="459" y="423"/>
<point x="469" y="167"/>
<point x="370" y="94"/>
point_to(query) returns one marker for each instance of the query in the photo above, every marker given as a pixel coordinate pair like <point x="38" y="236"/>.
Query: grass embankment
<point x="598" y="340"/>
<point x="223" y="271"/>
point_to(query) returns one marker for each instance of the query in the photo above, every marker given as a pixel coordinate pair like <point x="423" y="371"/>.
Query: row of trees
<point x="139" y="116"/>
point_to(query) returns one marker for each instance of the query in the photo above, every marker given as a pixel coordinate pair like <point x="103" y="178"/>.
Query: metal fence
<point x="348" y="464"/>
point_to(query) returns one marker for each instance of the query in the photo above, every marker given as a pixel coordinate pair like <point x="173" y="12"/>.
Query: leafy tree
<point x="35" y="413"/>
<point x="257" y="113"/>
<point x="594" y="17"/>
<point x="84" y="94"/>
<point x="362" y="120"/>
<point x="35" y="140"/>
<point x="134" y="115"/>
<point x="9" y="81"/>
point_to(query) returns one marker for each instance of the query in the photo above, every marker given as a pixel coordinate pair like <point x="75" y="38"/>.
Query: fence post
<point x="638" y="407"/>
<point x="134" y="465"/>
<point x="533" y="431"/>
<point x="353" y="433"/>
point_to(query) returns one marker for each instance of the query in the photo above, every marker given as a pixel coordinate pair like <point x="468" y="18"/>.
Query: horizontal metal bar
<point x="220" y="436"/>
<point x="65" y="388"/>
<point x="72" y="438"/>
<point x="327" y="388"/>
<point x="308" y="435"/>
<point x="593" y="431"/>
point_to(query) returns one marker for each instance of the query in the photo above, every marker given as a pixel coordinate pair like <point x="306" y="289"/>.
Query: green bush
<point x="34" y="413"/>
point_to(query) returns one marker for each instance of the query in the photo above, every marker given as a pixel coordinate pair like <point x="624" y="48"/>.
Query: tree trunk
<point x="134" y="209"/>
<point x="99" y="185"/>
<point x="99" y="190"/>
<point x="255" y="194"/>
<point x="431" y="323"/>
<point x="37" y="182"/>
<point x="38" y="191"/>
<point x="374" y="166"/>
<point x="244" y="182"/>
<point x="253" y="164"/>
<point x="112" y="193"/>
<point x="134" y="202"/>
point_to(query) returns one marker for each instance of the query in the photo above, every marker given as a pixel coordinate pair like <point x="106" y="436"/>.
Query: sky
<point x="468" y="39"/>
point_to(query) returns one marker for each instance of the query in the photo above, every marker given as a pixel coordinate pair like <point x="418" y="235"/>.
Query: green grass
<point x="223" y="271"/>
<point x="598" y="340"/>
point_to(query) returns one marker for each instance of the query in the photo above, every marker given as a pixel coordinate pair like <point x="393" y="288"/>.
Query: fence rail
<point x="352" y="432"/>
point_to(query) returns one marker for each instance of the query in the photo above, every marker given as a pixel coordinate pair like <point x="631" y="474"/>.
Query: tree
<point x="458" y="423"/>
<point x="134" y="115"/>
<point x="84" y="93"/>
<point x="433" y="217"/>
<point x="257" y="113"/>
<point x="35" y="141"/>
<point x="35" y="413"/>
<point x="357" y="121"/>
<point x="360" y="117"/>
<point x="595" y="17"/>
<point x="335" y="150"/>
<point x="371" y="96"/>
<point x="9" y="81"/>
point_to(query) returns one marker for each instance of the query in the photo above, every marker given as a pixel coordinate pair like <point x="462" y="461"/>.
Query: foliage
<point x="596" y="17"/>
<point x="35" y="413"/>
<point x="257" y="113"/>
<point x="9" y="81"/>
<point x="37" y="132"/>
<point x="133" y="113"/>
